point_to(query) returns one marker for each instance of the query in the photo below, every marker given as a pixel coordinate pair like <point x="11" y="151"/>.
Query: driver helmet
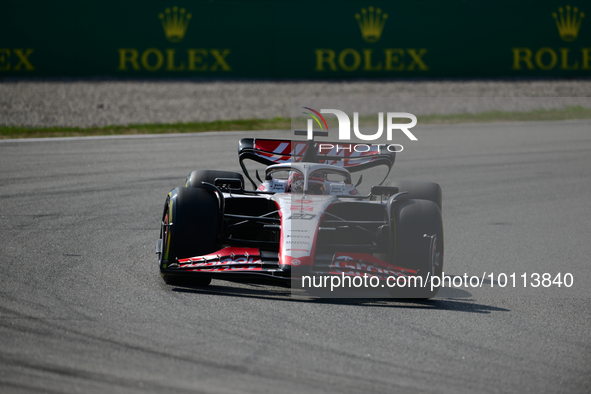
<point x="295" y="182"/>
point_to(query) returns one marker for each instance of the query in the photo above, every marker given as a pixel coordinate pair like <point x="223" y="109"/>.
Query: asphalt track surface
<point x="83" y="309"/>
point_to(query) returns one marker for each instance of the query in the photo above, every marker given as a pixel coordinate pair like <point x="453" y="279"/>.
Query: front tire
<point x="417" y="236"/>
<point x="189" y="228"/>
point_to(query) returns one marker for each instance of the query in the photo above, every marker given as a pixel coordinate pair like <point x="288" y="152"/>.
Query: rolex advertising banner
<point x="295" y="39"/>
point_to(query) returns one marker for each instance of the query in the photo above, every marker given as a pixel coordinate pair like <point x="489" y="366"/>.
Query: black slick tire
<point x="190" y="228"/>
<point x="417" y="237"/>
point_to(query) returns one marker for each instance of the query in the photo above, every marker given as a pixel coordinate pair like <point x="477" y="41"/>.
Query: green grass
<point x="566" y="113"/>
<point x="277" y="123"/>
<point x="280" y="123"/>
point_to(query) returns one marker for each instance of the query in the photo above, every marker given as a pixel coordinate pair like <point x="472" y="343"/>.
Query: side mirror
<point x="228" y="183"/>
<point x="384" y="190"/>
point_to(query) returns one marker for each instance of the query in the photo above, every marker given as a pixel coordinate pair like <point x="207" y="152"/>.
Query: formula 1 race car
<point x="306" y="217"/>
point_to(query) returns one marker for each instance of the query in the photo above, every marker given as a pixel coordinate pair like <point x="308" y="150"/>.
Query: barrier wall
<point x="295" y="39"/>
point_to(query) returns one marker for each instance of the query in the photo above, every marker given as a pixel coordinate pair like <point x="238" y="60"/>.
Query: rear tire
<point x="190" y="229"/>
<point x="412" y="220"/>
<point x="419" y="191"/>
<point x="196" y="177"/>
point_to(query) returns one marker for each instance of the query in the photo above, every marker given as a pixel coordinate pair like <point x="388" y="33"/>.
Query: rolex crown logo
<point x="174" y="23"/>
<point x="371" y="22"/>
<point x="568" y="22"/>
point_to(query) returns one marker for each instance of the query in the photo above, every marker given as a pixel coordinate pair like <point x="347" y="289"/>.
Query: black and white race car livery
<point x="306" y="217"/>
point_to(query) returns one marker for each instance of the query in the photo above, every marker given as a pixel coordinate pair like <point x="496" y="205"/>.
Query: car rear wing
<point x="351" y="156"/>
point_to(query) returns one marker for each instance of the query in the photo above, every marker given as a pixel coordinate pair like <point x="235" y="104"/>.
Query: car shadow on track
<point x="457" y="300"/>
